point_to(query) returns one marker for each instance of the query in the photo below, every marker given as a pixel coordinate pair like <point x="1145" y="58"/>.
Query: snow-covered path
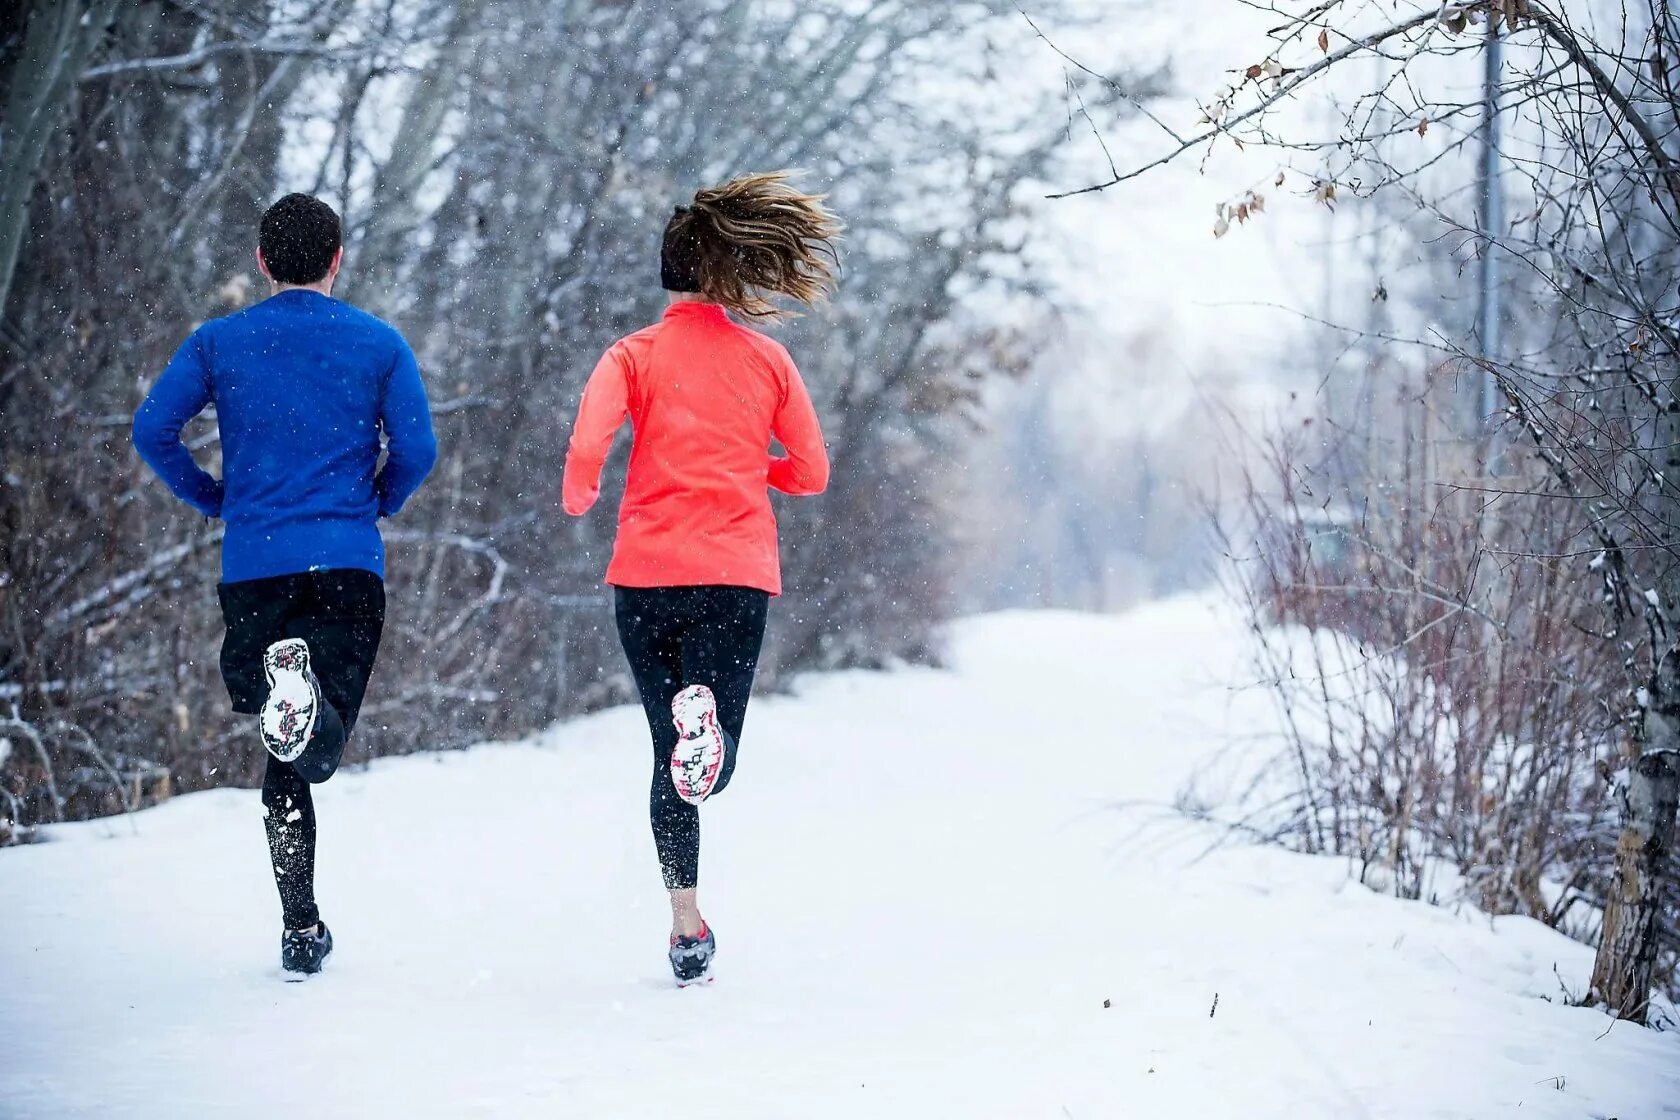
<point x="929" y="901"/>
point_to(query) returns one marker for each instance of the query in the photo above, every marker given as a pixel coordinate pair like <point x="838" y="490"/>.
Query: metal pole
<point x="1492" y="223"/>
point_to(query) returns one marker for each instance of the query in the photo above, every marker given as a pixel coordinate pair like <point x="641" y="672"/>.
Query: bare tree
<point x="1591" y="385"/>
<point x="44" y="47"/>
<point x="503" y="170"/>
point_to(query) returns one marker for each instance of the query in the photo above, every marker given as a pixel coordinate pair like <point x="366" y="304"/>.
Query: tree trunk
<point x="392" y="216"/>
<point x="38" y="70"/>
<point x="1627" y="949"/>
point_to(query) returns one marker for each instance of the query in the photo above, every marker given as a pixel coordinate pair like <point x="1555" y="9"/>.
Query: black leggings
<point x="680" y="636"/>
<point x="341" y="614"/>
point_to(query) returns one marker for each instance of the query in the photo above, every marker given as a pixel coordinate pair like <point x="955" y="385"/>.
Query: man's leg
<point x="289" y="819"/>
<point x="339" y="615"/>
<point x="650" y="622"/>
<point x="341" y="618"/>
<point x="720" y="650"/>
<point x="256" y="612"/>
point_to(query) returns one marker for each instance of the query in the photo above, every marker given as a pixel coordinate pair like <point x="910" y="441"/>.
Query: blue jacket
<point x="303" y="386"/>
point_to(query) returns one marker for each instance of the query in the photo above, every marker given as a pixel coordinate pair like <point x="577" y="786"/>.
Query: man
<point x="303" y="386"/>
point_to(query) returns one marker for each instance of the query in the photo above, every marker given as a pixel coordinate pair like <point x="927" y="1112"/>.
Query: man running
<point x="303" y="387"/>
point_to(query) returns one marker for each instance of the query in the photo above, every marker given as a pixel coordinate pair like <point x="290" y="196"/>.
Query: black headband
<point x="679" y="257"/>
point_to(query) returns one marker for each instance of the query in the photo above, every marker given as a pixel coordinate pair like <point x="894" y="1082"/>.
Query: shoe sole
<point x="293" y="698"/>
<point x="294" y="976"/>
<point x="699" y="748"/>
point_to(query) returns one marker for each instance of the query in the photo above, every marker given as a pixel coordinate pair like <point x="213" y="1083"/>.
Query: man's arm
<point x="181" y="393"/>
<point x="804" y="470"/>
<point x="410" y="443"/>
<point x="605" y="404"/>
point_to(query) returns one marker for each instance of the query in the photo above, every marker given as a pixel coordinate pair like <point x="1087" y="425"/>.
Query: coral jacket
<point x="704" y="396"/>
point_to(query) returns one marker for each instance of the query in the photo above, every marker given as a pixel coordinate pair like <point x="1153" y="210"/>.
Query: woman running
<point x="695" y="563"/>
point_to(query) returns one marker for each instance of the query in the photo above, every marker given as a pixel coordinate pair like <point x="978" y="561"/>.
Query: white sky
<point x="1141" y="258"/>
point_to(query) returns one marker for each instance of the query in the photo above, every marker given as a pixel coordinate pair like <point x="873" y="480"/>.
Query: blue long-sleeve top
<point x="303" y="386"/>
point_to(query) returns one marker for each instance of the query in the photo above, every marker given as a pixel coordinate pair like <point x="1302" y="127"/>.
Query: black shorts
<point x="339" y="612"/>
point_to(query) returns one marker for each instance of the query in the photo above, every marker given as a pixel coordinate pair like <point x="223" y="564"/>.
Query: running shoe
<point x="691" y="957"/>
<point x="697" y="759"/>
<point x="294" y="699"/>
<point x="302" y="952"/>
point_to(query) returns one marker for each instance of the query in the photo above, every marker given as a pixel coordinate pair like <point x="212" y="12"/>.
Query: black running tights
<point x="680" y="636"/>
<point x="340" y="613"/>
<point x="289" y="820"/>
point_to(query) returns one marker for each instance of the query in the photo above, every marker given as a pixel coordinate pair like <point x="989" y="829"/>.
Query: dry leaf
<point x="1254" y="71"/>
<point x="1324" y="40"/>
<point x="1423" y="127"/>
<point x="1278" y="182"/>
<point x="1221" y="228"/>
<point x="235" y="291"/>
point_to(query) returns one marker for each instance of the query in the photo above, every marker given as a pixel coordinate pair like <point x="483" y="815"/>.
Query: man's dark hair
<point x="298" y="238"/>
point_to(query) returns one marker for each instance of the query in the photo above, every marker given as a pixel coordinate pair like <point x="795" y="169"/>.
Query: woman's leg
<point x="650" y="627"/>
<point x="720" y="650"/>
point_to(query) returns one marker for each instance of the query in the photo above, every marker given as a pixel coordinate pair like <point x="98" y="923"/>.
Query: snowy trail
<point x="930" y="927"/>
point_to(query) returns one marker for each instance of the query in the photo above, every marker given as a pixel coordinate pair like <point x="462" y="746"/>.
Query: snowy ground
<point x="930" y="897"/>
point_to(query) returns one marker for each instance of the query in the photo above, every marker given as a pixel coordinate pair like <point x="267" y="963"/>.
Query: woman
<point x="695" y="563"/>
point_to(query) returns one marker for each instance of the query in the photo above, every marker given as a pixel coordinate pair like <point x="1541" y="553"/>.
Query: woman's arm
<point x="605" y="404"/>
<point x="804" y="470"/>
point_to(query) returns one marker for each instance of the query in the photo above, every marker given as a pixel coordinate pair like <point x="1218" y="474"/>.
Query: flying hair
<point x="752" y="238"/>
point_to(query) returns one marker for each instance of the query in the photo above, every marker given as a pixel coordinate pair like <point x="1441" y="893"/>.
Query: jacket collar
<point x="696" y="309"/>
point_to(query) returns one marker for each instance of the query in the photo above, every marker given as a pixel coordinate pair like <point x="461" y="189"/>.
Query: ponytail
<point x="749" y="239"/>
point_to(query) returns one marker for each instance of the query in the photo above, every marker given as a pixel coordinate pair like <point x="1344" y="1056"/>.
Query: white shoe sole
<point x="697" y="759"/>
<point x="287" y="721"/>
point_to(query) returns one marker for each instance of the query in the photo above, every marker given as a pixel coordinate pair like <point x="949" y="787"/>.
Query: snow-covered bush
<point x="1444" y="677"/>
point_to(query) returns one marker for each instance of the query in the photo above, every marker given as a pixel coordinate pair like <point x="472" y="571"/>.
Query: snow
<point x="926" y="886"/>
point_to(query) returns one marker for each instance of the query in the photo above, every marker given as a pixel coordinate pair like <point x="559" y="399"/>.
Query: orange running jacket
<point x="704" y="396"/>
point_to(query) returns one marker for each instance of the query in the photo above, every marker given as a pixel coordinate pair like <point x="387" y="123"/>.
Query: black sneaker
<point x="691" y="957"/>
<point x="302" y="953"/>
<point x="288" y="715"/>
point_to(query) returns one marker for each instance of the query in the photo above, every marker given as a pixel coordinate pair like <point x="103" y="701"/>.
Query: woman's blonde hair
<point x="751" y="238"/>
